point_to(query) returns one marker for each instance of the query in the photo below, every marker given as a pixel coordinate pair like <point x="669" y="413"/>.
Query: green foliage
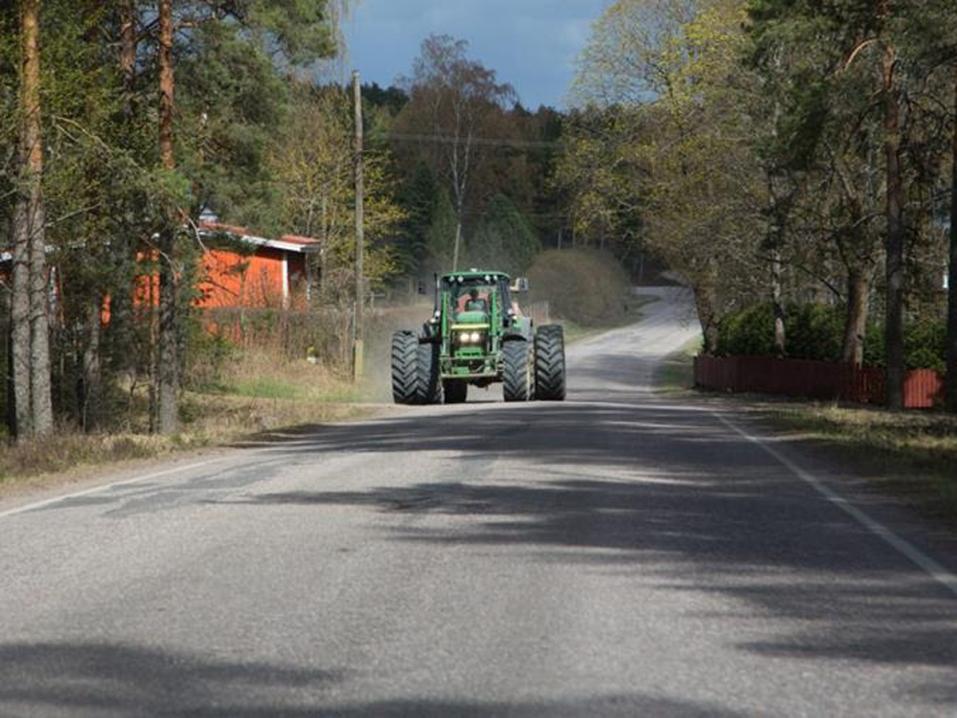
<point x="925" y="345"/>
<point x="301" y="28"/>
<point x="440" y="236"/>
<point x="816" y="331"/>
<point x="417" y="197"/>
<point x="504" y="240"/>
<point x="231" y="101"/>
<point x="749" y="332"/>
<point x="207" y="355"/>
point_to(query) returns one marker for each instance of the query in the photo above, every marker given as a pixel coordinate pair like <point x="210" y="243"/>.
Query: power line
<point x="485" y="141"/>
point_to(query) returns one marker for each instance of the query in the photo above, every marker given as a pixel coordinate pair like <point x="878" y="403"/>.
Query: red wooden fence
<point x="923" y="388"/>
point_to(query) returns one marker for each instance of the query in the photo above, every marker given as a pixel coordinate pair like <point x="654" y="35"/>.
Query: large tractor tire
<point x="550" y="363"/>
<point x="517" y="371"/>
<point x="405" y="373"/>
<point x="429" y="375"/>
<point x="456" y="391"/>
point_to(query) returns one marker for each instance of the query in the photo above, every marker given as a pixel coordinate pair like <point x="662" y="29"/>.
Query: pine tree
<point x="30" y="311"/>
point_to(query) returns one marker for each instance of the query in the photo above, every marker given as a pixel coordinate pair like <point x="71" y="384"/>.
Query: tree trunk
<point x="706" y="302"/>
<point x="855" y="323"/>
<point x="20" y="321"/>
<point x="952" y="276"/>
<point x="780" y="337"/>
<point x="128" y="55"/>
<point x="894" y="245"/>
<point x="168" y="360"/>
<point x="458" y="241"/>
<point x="40" y="387"/>
<point x="120" y="333"/>
<point x="92" y="375"/>
<point x="30" y="312"/>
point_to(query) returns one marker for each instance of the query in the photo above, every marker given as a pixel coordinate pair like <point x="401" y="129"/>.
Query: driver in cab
<point x="475" y="303"/>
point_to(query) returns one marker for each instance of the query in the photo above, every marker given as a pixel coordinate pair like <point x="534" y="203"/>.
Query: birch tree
<point x="454" y="101"/>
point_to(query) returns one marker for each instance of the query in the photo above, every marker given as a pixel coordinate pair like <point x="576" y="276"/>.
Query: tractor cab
<point x="473" y="296"/>
<point x="471" y="304"/>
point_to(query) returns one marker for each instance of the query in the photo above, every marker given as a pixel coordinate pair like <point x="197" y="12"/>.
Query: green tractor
<point x="477" y="335"/>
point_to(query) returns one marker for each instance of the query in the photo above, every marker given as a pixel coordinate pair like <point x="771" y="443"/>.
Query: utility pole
<point x="357" y="346"/>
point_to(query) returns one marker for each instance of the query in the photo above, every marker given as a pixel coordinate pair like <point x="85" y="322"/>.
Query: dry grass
<point x="263" y="374"/>
<point x="258" y="391"/>
<point x="208" y="421"/>
<point x="911" y="455"/>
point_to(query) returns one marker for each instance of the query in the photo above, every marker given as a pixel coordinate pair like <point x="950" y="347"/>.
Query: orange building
<point x="260" y="273"/>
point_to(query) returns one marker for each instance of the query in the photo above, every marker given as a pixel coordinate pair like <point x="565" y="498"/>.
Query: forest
<point x="127" y="124"/>
<point x="791" y="161"/>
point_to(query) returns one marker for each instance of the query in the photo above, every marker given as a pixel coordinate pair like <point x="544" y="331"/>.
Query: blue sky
<point x="530" y="43"/>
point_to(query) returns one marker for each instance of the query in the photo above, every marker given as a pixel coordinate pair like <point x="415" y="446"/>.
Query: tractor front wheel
<point x="517" y="373"/>
<point x="455" y="390"/>
<point x="405" y="347"/>
<point x="429" y="381"/>
<point x="550" y="363"/>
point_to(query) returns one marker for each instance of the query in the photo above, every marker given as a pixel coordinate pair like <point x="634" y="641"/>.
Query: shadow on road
<point x="110" y="679"/>
<point x="132" y="680"/>
<point x="667" y="492"/>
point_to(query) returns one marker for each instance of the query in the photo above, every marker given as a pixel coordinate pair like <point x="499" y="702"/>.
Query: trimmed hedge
<point x="816" y="331"/>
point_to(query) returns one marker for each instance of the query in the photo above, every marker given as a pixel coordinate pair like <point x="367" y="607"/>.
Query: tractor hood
<point x="476" y="317"/>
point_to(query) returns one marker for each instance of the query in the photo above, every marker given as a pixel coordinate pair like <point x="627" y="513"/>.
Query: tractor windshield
<point x="476" y="299"/>
<point x="471" y="298"/>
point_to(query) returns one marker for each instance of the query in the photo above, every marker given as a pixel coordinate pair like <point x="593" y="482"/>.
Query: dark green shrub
<point x="925" y="345"/>
<point x="206" y="357"/>
<point x="816" y="331"/>
<point x="749" y="332"/>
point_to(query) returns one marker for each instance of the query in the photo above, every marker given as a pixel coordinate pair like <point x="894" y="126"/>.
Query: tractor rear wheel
<point x="517" y="373"/>
<point x="455" y="390"/>
<point x="428" y="374"/>
<point x="405" y="380"/>
<point x="550" y="363"/>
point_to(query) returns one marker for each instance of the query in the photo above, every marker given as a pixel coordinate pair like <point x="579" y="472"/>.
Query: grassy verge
<point x="209" y="421"/>
<point x="911" y="455"/>
<point x="256" y="393"/>
<point x="676" y="371"/>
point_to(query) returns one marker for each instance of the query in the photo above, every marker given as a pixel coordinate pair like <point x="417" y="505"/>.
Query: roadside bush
<point x="749" y="332"/>
<point x="206" y="357"/>
<point x="925" y="345"/>
<point x="585" y="286"/>
<point x="816" y="331"/>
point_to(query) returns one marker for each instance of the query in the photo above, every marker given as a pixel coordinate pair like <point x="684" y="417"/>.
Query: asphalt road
<point x="618" y="554"/>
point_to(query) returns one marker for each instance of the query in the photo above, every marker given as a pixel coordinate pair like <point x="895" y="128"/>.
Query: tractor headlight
<point x="467" y="337"/>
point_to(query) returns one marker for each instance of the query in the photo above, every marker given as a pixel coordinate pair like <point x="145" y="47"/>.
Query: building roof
<point x="286" y="243"/>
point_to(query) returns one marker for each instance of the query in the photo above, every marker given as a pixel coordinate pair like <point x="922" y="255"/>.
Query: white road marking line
<point x="106" y="487"/>
<point x="936" y="571"/>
